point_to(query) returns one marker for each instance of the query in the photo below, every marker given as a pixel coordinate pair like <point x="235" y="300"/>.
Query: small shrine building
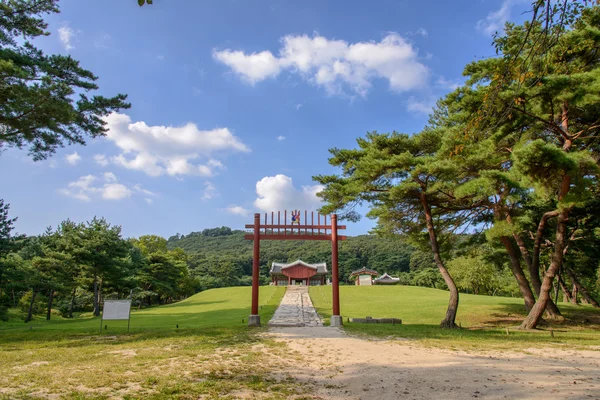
<point x="385" y="279"/>
<point x="298" y="273"/>
<point x="364" y="276"/>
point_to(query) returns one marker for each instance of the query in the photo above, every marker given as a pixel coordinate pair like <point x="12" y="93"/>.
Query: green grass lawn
<point x="484" y="318"/>
<point x="212" y="353"/>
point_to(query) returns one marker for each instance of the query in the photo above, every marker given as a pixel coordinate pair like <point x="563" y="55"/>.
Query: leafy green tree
<point x="546" y="93"/>
<point x="407" y="187"/>
<point x="38" y="104"/>
<point x="102" y="253"/>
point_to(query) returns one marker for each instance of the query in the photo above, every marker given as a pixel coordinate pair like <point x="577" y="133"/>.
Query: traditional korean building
<point x="364" y="276"/>
<point x="385" y="279"/>
<point x="298" y="273"/>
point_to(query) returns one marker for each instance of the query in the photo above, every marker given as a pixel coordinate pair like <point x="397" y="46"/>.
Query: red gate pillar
<point x="254" y="319"/>
<point x="336" y="319"/>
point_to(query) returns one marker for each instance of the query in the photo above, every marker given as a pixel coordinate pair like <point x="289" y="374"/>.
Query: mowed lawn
<point x="484" y="319"/>
<point x="224" y="307"/>
<point x="212" y="354"/>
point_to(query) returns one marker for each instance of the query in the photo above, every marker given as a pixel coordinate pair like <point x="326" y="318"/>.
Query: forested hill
<point x="391" y="255"/>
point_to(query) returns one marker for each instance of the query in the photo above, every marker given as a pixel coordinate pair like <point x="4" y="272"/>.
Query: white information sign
<point x="116" y="309"/>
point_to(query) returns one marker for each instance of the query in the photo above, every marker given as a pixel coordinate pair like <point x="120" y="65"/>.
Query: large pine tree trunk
<point x="50" y="300"/>
<point x="560" y="242"/>
<point x="534" y="273"/>
<point x="535" y="315"/>
<point x="515" y="266"/>
<point x="96" y="299"/>
<point x="449" y="321"/>
<point x="30" y="313"/>
<point x="584" y="292"/>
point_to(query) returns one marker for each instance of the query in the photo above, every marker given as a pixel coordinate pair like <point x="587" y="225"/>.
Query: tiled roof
<point x="364" y="271"/>
<point x="277" y="267"/>
<point x="386" y="278"/>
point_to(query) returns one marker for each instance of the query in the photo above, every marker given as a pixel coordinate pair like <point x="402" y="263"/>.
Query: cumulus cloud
<point x="108" y="188"/>
<point x="175" y="151"/>
<point x="495" y="20"/>
<point x="280" y="138"/>
<point x="66" y="35"/>
<point x="422" y="106"/>
<point x="335" y="65"/>
<point x="210" y="191"/>
<point x="277" y="193"/>
<point x="100" y="159"/>
<point x="237" y="210"/>
<point x="110" y="177"/>
<point x="73" y="158"/>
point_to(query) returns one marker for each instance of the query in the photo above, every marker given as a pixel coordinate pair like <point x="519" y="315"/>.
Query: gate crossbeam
<point x="295" y="231"/>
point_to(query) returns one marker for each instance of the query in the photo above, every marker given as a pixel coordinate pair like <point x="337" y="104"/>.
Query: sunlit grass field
<point x="213" y="354"/>
<point x="484" y="319"/>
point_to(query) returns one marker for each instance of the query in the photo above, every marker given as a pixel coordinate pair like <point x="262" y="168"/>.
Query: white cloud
<point x="495" y="20"/>
<point x="73" y="159"/>
<point x="87" y="187"/>
<point x="115" y="191"/>
<point x="253" y="68"/>
<point x="280" y="138"/>
<point x="149" y="201"/>
<point x="66" y="35"/>
<point x="276" y="193"/>
<point x="448" y="83"/>
<point x="298" y="106"/>
<point x="110" y="177"/>
<point x="210" y="191"/>
<point x="423" y="106"/>
<point x="158" y="150"/>
<point x="100" y="159"/>
<point x="138" y="188"/>
<point x="237" y="210"/>
<point x="334" y="64"/>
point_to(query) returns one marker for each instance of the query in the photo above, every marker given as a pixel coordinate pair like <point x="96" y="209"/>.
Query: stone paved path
<point x="296" y="309"/>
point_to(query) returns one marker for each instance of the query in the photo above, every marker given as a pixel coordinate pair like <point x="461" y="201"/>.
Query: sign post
<point x="116" y="310"/>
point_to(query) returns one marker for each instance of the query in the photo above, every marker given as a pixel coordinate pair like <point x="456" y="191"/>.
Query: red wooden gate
<point x="295" y="230"/>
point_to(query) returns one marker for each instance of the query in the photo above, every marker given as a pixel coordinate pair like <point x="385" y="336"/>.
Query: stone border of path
<point x="296" y="309"/>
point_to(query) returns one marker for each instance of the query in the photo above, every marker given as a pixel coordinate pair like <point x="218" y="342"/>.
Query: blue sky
<point x="236" y="103"/>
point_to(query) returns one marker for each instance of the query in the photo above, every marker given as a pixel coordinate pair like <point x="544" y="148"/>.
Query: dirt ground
<point x="337" y="366"/>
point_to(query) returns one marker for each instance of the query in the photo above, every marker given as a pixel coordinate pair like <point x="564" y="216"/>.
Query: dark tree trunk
<point x="574" y="294"/>
<point x="72" y="303"/>
<point x="515" y="266"/>
<point x="449" y="321"/>
<point x="560" y="242"/>
<point x="563" y="287"/>
<point x="534" y="273"/>
<point x="535" y="315"/>
<point x="30" y="313"/>
<point x="584" y="292"/>
<point x="50" y="300"/>
<point x="96" y="299"/>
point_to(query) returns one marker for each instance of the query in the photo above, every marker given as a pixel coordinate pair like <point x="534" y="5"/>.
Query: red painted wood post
<point x="254" y="319"/>
<point x="334" y="273"/>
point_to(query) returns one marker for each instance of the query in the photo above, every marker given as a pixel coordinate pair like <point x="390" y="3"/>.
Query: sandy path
<point x="337" y="366"/>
